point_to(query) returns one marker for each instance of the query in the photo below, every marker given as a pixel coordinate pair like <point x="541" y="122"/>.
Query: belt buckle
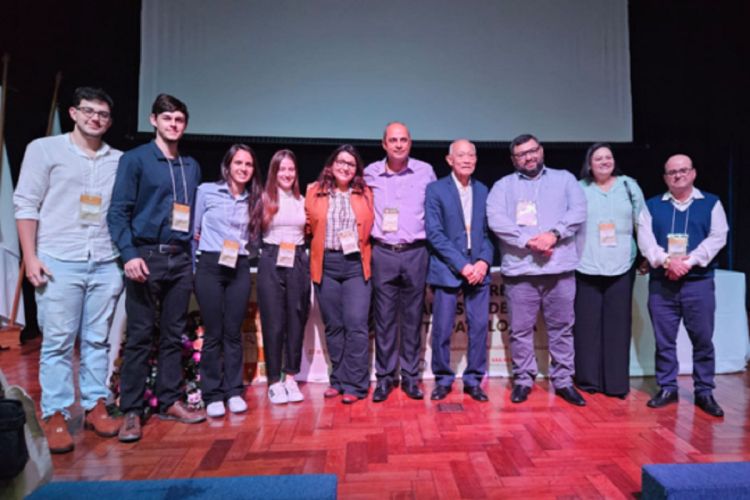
<point x="165" y="248"/>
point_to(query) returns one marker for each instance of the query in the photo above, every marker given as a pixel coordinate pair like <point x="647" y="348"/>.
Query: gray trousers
<point x="554" y="294"/>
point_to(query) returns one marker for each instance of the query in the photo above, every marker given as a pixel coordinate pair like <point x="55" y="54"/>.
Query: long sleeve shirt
<point x="703" y="253"/>
<point x="143" y="196"/>
<point x="54" y="174"/>
<point x="220" y="216"/>
<point x="560" y="205"/>
<point x="404" y="191"/>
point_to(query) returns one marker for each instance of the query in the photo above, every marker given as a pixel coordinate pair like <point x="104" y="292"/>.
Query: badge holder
<point x="230" y="250"/>
<point x="349" y="244"/>
<point x="526" y="213"/>
<point x="390" y="220"/>
<point x="607" y="234"/>
<point x="285" y="256"/>
<point x="180" y="217"/>
<point x="90" y="209"/>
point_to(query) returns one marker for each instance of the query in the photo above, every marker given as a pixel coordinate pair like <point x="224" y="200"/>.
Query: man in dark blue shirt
<point x="149" y="220"/>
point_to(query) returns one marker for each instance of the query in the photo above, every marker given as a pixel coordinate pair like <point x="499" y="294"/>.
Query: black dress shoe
<point x="708" y="404"/>
<point x="571" y="395"/>
<point x="411" y="389"/>
<point x="476" y="393"/>
<point x="663" y="398"/>
<point x="520" y="393"/>
<point x="382" y="390"/>
<point x="440" y="392"/>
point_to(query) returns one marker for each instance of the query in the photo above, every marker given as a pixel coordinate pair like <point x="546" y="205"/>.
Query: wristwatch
<point x="556" y="233"/>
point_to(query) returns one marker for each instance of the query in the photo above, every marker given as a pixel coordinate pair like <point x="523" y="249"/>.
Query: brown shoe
<point x="183" y="413"/>
<point x="99" y="420"/>
<point x="130" y="430"/>
<point x="58" y="437"/>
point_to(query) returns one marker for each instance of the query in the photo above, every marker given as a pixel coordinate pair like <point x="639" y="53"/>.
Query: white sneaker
<point x="277" y="394"/>
<point x="237" y="404"/>
<point x="292" y="391"/>
<point x="215" y="409"/>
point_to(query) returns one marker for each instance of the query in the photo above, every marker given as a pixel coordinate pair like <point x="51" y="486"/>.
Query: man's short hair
<point x="522" y="139"/>
<point x="165" y="103"/>
<point x="91" y="94"/>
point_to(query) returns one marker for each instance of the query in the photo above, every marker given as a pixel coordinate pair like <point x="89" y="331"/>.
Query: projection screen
<point x="341" y="69"/>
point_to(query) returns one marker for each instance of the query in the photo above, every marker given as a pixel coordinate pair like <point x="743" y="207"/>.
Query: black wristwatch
<point x="556" y="233"/>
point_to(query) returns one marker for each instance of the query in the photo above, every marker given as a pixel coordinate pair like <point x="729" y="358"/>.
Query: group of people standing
<point x="88" y="214"/>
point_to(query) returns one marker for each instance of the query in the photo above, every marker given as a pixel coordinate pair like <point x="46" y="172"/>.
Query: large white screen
<point x="483" y="69"/>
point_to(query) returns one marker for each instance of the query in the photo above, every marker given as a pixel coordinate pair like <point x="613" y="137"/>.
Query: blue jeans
<point x="79" y="298"/>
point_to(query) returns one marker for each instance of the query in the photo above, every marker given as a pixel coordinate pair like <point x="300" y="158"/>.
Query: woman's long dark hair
<point x="326" y="180"/>
<point x="254" y="189"/>
<point x="586" y="168"/>
<point x="271" y="193"/>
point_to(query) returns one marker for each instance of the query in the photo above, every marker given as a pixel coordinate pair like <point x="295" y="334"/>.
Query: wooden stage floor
<point x="457" y="448"/>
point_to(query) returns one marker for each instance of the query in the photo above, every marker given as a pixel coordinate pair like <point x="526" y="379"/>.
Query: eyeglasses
<point x="679" y="171"/>
<point x="345" y="164"/>
<point x="89" y="112"/>
<point x="532" y="151"/>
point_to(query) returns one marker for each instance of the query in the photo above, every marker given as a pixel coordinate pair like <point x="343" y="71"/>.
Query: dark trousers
<point x="398" y="279"/>
<point x="284" y="303"/>
<point x="694" y="302"/>
<point x="222" y="294"/>
<point x="602" y="332"/>
<point x="477" y="308"/>
<point x="165" y="295"/>
<point x="344" y="298"/>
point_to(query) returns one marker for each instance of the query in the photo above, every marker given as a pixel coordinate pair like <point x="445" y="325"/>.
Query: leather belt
<point x="400" y="247"/>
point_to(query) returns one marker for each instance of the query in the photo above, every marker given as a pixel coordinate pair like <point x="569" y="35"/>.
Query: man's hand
<point x="468" y="272"/>
<point x="136" y="270"/>
<point x="480" y="270"/>
<point x="36" y="272"/>
<point x="543" y="243"/>
<point x="678" y="268"/>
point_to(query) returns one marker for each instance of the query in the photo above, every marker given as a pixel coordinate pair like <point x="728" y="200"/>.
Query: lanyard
<point x="174" y="186"/>
<point x="687" y="216"/>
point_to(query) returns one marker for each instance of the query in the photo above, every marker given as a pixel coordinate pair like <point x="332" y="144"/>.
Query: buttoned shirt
<point x="288" y="223"/>
<point x="403" y="191"/>
<point x="219" y="216"/>
<point x="560" y="205"/>
<point x="340" y="218"/>
<point x="146" y="187"/>
<point x="620" y="205"/>
<point x="465" y="195"/>
<point x="704" y="253"/>
<point x="54" y="174"/>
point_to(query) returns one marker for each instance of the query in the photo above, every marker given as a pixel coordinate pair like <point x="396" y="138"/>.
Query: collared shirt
<point x="141" y="211"/>
<point x="54" y="174"/>
<point x="617" y="206"/>
<point x="288" y="224"/>
<point x="704" y="253"/>
<point x="220" y="216"/>
<point x="340" y="218"/>
<point x="404" y="191"/>
<point x="560" y="205"/>
<point x="465" y="195"/>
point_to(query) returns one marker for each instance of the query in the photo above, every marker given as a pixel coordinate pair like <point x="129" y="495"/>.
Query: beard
<point x="531" y="172"/>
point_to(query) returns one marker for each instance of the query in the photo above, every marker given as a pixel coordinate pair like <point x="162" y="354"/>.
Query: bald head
<point x="397" y="145"/>
<point x="462" y="157"/>
<point x="679" y="175"/>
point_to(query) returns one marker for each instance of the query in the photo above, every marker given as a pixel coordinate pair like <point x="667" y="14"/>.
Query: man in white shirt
<point x="680" y="233"/>
<point x="61" y="201"/>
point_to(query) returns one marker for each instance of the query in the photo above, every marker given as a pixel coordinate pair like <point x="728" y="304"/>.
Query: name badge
<point x="90" y="209"/>
<point x="607" y="234"/>
<point x="468" y="236"/>
<point x="677" y="244"/>
<point x="349" y="243"/>
<point x="285" y="257"/>
<point x="180" y="217"/>
<point x="390" y="220"/>
<point x="526" y="213"/>
<point x="230" y="250"/>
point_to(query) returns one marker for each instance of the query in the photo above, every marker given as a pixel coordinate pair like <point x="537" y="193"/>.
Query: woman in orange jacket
<point x="339" y="213"/>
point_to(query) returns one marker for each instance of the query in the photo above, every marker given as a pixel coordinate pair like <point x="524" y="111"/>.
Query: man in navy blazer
<point x="460" y="256"/>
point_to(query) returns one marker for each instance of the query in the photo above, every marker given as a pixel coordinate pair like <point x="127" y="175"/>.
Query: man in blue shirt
<point x="150" y="223"/>
<point x="535" y="212"/>
<point x="680" y="234"/>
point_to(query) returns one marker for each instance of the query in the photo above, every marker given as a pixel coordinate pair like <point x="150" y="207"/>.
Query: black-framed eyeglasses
<point x="89" y="112"/>
<point x="531" y="151"/>
<point x="344" y="163"/>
